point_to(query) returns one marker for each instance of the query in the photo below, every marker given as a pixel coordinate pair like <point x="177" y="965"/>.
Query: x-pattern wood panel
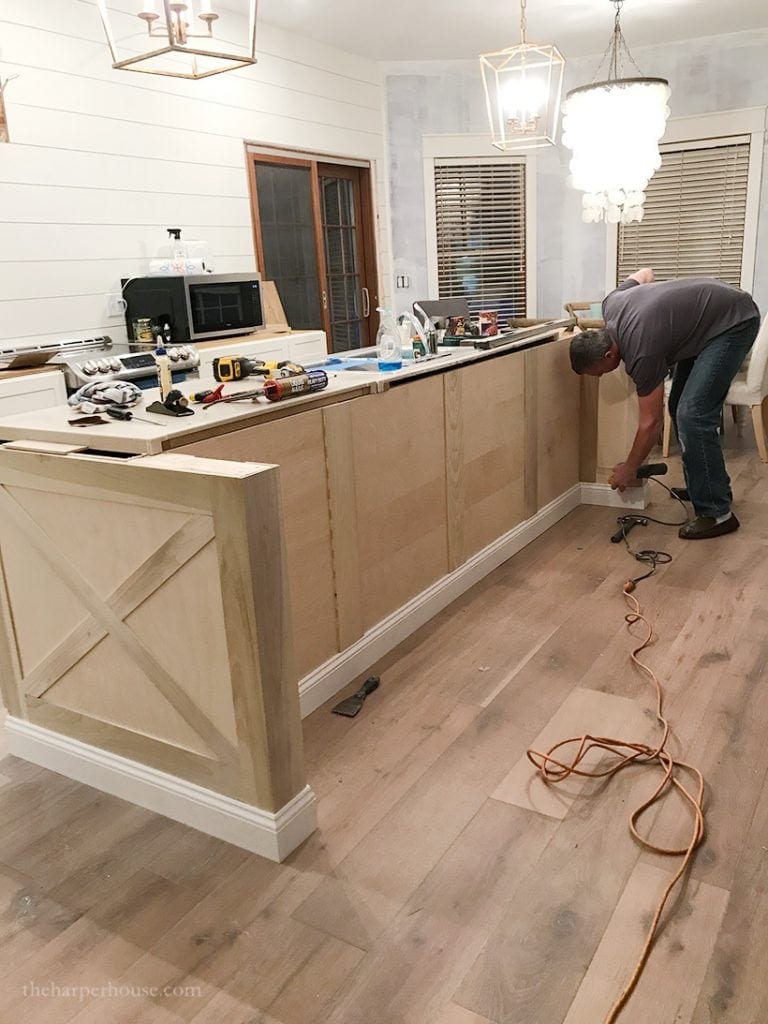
<point x="107" y="616"/>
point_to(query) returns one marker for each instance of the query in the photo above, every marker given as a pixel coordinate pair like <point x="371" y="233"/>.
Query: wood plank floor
<point x="445" y="885"/>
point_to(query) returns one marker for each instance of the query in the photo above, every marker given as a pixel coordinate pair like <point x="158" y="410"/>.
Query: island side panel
<point x="297" y="445"/>
<point x="557" y="426"/>
<point x="485" y="442"/>
<point x="399" y="460"/>
<point x="119" y="625"/>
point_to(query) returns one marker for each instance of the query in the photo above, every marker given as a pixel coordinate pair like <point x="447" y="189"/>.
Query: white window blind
<point x="695" y="209"/>
<point x="480" y="220"/>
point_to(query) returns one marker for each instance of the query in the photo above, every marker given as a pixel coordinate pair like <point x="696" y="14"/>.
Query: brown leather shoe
<point x="705" y="527"/>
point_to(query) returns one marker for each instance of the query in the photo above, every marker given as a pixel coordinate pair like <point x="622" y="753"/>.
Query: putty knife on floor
<point x="350" y="707"/>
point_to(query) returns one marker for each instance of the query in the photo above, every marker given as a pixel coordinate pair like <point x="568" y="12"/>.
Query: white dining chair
<point x="750" y="387"/>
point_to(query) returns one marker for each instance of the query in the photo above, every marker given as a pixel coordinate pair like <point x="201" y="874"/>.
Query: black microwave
<point x="196" y="307"/>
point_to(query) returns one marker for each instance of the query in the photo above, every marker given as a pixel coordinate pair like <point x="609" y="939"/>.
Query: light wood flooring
<point x="444" y="885"/>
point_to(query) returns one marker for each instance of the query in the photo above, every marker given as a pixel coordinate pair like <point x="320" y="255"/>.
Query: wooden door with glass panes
<point x="313" y="229"/>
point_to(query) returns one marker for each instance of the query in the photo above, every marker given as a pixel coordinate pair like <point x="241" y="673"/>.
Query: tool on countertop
<point x="217" y="397"/>
<point x="115" y="412"/>
<point x="88" y="421"/>
<point x="127" y="414"/>
<point x="352" y="705"/>
<point x="175" y="404"/>
<point x="200" y="396"/>
<point x="273" y="390"/>
<point x="231" y="368"/>
<point x="287" y="387"/>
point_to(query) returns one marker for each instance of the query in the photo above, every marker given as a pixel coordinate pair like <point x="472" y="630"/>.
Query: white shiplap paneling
<point x="102" y="161"/>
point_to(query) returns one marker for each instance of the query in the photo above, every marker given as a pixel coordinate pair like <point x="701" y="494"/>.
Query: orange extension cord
<point x="553" y="770"/>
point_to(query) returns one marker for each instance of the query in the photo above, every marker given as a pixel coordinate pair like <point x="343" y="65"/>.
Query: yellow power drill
<point x="230" y="368"/>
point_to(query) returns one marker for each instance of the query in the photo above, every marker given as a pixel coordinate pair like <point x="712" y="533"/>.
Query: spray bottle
<point x="388" y="343"/>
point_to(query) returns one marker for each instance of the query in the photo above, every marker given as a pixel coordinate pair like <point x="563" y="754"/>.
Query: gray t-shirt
<point x="657" y="325"/>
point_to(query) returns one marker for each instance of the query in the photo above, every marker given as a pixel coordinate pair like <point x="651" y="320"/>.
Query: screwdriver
<point x="118" y="413"/>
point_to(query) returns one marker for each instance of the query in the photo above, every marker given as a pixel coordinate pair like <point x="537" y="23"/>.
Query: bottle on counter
<point x="388" y="343"/>
<point x="163" y="363"/>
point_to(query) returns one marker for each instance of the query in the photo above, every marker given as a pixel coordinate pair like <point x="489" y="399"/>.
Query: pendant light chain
<point x="523" y="21"/>
<point x="617" y="49"/>
<point x="616" y="39"/>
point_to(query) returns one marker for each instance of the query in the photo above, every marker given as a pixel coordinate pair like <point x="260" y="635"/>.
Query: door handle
<point x="366" y="303"/>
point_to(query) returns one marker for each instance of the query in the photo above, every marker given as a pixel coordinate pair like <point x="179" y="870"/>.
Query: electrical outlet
<point x="116" y="304"/>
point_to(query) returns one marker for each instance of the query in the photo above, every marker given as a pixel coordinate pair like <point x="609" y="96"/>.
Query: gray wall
<point x="431" y="97"/>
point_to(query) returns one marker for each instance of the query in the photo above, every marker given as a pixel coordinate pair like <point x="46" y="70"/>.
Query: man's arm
<point x="644" y="276"/>
<point x="651" y="419"/>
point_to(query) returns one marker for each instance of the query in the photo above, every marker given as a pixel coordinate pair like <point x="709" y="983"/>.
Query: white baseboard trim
<point x="327" y="679"/>
<point x="602" y="494"/>
<point x="271" y="835"/>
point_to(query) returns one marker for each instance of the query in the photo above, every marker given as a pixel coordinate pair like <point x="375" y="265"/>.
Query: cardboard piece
<point x="274" y="314"/>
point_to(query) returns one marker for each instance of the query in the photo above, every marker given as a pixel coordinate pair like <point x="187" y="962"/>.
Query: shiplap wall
<point x="101" y="162"/>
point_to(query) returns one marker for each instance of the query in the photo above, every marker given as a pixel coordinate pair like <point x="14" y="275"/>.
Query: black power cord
<point x="648" y="556"/>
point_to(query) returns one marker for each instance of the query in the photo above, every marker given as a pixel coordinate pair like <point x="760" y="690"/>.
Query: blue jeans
<point x="699" y="389"/>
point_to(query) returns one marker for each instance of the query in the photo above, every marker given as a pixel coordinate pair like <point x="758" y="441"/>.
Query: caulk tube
<point x="286" y="387"/>
<point x="163" y="363"/>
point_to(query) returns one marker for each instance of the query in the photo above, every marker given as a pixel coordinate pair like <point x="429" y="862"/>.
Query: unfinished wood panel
<point x="492" y="450"/>
<point x="220" y="776"/>
<point x="617" y="420"/>
<point x="297" y="445"/>
<point x="274" y="314"/>
<point x="455" y="478"/>
<point x="176" y="650"/>
<point x="557" y="421"/>
<point x="134" y="653"/>
<point x="248" y="517"/>
<point x="399" y="465"/>
<point x="531" y="414"/>
<point x="103" y="540"/>
<point x="590" y="393"/>
<point x="342" y="507"/>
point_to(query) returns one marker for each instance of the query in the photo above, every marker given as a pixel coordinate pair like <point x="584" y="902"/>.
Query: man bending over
<point x="704" y="329"/>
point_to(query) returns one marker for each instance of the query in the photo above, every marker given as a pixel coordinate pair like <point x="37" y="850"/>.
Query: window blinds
<point x="480" y="213"/>
<point x="693" y="224"/>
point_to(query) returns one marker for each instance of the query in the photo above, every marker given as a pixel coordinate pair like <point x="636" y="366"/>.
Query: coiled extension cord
<point x="566" y="758"/>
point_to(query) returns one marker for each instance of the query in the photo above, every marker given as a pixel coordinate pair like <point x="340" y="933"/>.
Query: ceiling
<point x="460" y="29"/>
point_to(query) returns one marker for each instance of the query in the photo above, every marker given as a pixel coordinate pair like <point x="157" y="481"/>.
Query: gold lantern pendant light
<point x="613" y="127"/>
<point x="188" y="38"/>
<point x="523" y="85"/>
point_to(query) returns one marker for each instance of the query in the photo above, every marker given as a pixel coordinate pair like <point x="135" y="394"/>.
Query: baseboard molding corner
<point x="633" y="498"/>
<point x="327" y="679"/>
<point x="273" y="835"/>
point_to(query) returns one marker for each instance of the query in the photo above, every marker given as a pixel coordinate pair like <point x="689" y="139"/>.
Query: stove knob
<point x="184" y="353"/>
<point x="116" y="365"/>
<point x="194" y="355"/>
<point x="102" y="366"/>
<point x="174" y="354"/>
<point x="88" y="367"/>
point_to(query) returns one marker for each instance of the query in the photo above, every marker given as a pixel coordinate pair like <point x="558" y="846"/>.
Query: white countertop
<point x="167" y="432"/>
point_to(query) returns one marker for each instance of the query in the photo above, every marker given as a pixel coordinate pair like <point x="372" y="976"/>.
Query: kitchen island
<point x="172" y="598"/>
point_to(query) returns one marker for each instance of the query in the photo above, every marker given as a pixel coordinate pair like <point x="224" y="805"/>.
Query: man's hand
<point x="622" y="476"/>
<point x="644" y="276"/>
